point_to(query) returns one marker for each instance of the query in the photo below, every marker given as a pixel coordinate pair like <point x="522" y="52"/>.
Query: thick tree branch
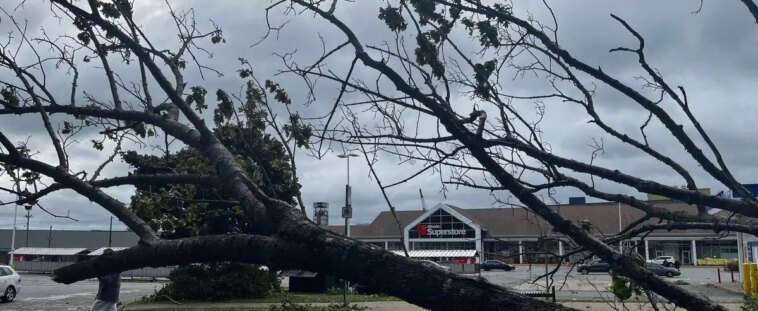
<point x="619" y="262"/>
<point x="338" y="256"/>
<point x="752" y="7"/>
<point x="112" y="205"/>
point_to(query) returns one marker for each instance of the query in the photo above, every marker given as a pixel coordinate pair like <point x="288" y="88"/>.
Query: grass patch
<point x="285" y="302"/>
<point x="319" y="298"/>
<point x="273" y="307"/>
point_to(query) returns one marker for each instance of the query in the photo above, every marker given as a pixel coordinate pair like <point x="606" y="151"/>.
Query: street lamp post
<point x="28" y="208"/>
<point x="347" y="212"/>
<point x="13" y="235"/>
<point x="15" y="216"/>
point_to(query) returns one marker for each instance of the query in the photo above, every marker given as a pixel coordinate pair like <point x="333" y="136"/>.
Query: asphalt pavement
<point x="571" y="285"/>
<point x="40" y="293"/>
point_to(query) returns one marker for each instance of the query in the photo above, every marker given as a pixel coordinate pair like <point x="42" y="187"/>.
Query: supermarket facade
<point x="450" y="234"/>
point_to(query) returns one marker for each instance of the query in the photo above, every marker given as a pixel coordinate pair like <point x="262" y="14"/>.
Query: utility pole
<point x="347" y="213"/>
<point x="15" y="216"/>
<point x="423" y="202"/>
<point x="621" y="248"/>
<point x="50" y="237"/>
<point x="28" y="208"/>
<point x="110" y="233"/>
<point x="740" y="253"/>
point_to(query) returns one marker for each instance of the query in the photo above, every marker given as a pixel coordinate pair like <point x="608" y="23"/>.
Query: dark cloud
<point x="709" y="53"/>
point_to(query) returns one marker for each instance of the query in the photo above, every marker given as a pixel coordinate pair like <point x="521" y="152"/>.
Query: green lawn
<point x="319" y="298"/>
<point x="278" y="299"/>
<point x="299" y="308"/>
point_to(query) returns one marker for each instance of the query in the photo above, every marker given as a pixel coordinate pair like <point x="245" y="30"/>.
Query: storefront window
<point x="443" y="245"/>
<point x="394" y="246"/>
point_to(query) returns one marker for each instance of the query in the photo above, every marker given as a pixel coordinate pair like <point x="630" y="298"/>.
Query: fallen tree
<point x="496" y="141"/>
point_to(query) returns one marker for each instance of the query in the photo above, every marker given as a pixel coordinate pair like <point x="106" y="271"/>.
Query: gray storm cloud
<point x="709" y="53"/>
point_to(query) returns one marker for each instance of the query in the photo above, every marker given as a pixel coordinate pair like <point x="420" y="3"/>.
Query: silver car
<point x="661" y="270"/>
<point x="10" y="283"/>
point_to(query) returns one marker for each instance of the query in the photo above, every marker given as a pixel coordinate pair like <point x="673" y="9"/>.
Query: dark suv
<point x="496" y="265"/>
<point x="594" y="266"/>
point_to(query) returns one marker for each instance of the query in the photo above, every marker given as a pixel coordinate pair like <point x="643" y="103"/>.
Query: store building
<point x="452" y="235"/>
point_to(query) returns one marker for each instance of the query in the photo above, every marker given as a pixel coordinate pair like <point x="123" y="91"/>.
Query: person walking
<point x="677" y="264"/>
<point x="107" y="289"/>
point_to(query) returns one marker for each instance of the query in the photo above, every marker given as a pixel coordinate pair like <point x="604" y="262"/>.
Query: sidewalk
<point x="732" y="287"/>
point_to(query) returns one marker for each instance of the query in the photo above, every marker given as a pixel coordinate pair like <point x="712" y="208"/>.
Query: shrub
<point x="749" y="304"/>
<point x="219" y="281"/>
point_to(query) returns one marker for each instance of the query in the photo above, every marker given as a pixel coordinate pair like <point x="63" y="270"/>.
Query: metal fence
<point x="39" y="266"/>
<point x="160" y="272"/>
<point x="463" y="268"/>
<point x="49" y="266"/>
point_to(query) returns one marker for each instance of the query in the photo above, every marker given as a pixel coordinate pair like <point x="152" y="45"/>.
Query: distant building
<point x="516" y="235"/>
<point x="85" y="239"/>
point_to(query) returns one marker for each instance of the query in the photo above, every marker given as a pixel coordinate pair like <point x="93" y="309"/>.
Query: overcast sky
<point x="711" y="53"/>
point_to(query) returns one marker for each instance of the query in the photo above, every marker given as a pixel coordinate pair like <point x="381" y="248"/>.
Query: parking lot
<point x="40" y="293"/>
<point x="573" y="285"/>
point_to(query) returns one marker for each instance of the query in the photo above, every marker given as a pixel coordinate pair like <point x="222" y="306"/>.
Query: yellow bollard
<point x="746" y="284"/>
<point x="754" y="279"/>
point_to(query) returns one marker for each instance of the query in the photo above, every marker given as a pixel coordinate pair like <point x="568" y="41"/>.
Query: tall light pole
<point x="15" y="215"/>
<point x="110" y="233"/>
<point x="347" y="211"/>
<point x="28" y="208"/>
<point x="621" y="248"/>
<point x="13" y="235"/>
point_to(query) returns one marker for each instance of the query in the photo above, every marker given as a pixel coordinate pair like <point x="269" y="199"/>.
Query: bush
<point x="749" y="304"/>
<point x="219" y="281"/>
<point x="732" y="265"/>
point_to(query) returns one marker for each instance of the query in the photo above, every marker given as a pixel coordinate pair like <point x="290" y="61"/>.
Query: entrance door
<point x="658" y="253"/>
<point x="686" y="257"/>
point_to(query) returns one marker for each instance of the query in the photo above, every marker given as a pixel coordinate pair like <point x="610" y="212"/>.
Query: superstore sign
<point x="436" y="230"/>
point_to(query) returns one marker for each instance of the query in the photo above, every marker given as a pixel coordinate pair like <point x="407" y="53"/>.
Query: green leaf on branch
<point x="392" y="17"/>
<point x="225" y="108"/>
<point x="427" y="54"/>
<point x="97" y="145"/>
<point x="197" y="97"/>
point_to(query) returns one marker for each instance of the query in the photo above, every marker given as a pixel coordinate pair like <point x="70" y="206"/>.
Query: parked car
<point x="594" y="266"/>
<point x="435" y="265"/>
<point x="666" y="261"/>
<point x="10" y="283"/>
<point x="496" y="265"/>
<point x="661" y="270"/>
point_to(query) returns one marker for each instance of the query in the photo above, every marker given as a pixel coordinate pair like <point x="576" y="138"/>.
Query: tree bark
<point x="325" y="252"/>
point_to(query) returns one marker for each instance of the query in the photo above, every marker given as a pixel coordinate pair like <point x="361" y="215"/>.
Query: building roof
<point x="89" y="239"/>
<point x="438" y="253"/>
<point x="100" y="251"/>
<point x="383" y="226"/>
<point x="51" y="251"/>
<point x="522" y="223"/>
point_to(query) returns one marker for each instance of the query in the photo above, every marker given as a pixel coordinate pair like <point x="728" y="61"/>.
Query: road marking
<point x="60" y="297"/>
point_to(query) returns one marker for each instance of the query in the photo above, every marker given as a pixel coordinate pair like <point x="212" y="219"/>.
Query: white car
<point x="663" y="260"/>
<point x="435" y="265"/>
<point x="10" y="283"/>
